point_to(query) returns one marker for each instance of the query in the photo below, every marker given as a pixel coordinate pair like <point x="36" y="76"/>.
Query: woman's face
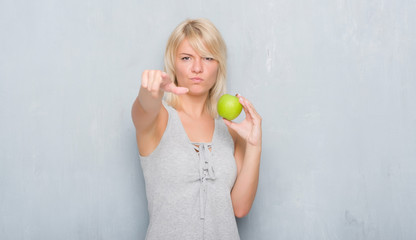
<point x="195" y="72"/>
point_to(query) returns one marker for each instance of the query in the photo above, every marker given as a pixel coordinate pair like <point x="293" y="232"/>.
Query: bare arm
<point x="148" y="106"/>
<point x="247" y="136"/>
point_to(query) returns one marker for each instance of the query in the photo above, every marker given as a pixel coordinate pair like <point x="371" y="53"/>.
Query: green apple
<point x="229" y="107"/>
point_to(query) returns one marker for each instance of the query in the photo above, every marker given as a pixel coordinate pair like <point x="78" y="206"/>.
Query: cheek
<point x="213" y="75"/>
<point x="214" y="71"/>
<point x="179" y="72"/>
<point x="181" y="69"/>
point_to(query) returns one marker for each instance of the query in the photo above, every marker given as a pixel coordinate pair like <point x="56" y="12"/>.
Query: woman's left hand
<point x="250" y="128"/>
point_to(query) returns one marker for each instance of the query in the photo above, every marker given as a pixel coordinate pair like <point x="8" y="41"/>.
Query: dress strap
<point x="168" y="108"/>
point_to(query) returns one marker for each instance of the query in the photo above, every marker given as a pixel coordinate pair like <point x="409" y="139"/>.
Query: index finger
<point x="250" y="108"/>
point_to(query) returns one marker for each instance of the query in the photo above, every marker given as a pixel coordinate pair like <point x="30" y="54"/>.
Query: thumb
<point x="166" y="78"/>
<point x="230" y="124"/>
<point x="169" y="86"/>
<point x="178" y="90"/>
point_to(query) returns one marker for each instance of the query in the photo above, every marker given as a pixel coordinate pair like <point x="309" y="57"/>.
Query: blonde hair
<point x="206" y="40"/>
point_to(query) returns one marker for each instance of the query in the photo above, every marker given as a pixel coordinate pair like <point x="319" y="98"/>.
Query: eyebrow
<point x="188" y="54"/>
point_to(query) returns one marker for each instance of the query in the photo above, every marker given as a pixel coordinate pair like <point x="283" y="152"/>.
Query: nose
<point x="197" y="66"/>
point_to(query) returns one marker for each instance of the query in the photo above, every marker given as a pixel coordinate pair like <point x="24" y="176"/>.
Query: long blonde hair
<point x="205" y="39"/>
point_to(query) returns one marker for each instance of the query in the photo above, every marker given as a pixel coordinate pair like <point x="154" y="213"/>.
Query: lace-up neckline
<point x="206" y="172"/>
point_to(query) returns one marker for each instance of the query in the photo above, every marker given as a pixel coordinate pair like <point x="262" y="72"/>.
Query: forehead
<point x="193" y="46"/>
<point x="185" y="47"/>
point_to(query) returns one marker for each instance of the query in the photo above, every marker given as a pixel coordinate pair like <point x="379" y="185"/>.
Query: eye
<point x="209" y="58"/>
<point x="186" y="58"/>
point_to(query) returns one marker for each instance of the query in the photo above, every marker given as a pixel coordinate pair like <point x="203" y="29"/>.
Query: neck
<point x="193" y="106"/>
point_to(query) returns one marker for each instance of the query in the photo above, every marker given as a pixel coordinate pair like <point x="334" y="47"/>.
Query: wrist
<point x="253" y="147"/>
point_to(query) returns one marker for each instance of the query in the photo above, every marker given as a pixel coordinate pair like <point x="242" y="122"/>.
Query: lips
<point x="197" y="79"/>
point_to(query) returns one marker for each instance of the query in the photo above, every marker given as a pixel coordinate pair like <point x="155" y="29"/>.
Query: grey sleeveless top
<point x="188" y="185"/>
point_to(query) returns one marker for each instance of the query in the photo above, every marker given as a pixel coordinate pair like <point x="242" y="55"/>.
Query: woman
<point x="200" y="171"/>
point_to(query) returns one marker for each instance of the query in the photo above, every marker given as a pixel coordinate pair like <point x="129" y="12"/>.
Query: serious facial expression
<point x="197" y="73"/>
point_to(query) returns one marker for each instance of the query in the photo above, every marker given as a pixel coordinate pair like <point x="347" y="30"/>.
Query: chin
<point x="196" y="90"/>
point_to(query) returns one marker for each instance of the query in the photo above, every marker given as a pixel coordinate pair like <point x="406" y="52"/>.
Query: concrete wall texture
<point x="333" y="81"/>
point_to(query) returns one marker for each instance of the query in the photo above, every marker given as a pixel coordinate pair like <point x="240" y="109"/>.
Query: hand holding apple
<point x="250" y="128"/>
